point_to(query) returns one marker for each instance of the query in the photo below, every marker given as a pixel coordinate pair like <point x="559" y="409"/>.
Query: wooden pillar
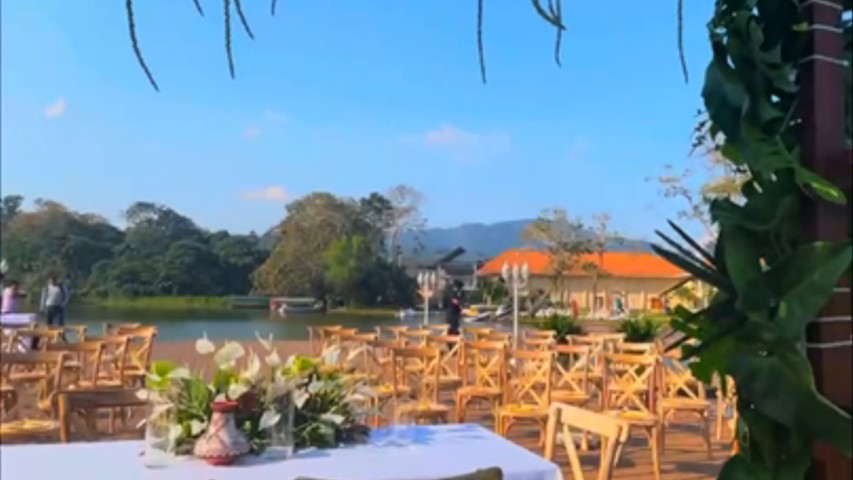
<point x="824" y="150"/>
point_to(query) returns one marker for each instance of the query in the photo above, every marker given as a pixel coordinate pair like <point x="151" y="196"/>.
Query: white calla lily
<point x="300" y="397"/>
<point x="273" y="360"/>
<point x="266" y="343"/>
<point x="142" y="394"/>
<point x="204" y="346"/>
<point x="196" y="427"/>
<point x="179" y="373"/>
<point x="228" y="355"/>
<point x="253" y="369"/>
<point x="332" y="417"/>
<point x="236" y="390"/>
<point x="269" y="419"/>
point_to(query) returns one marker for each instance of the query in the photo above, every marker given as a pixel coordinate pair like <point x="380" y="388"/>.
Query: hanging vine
<point x="769" y="281"/>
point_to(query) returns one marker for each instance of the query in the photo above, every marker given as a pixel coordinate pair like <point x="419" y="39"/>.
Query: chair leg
<point x="655" y="455"/>
<point x="706" y="433"/>
<point x="662" y="436"/>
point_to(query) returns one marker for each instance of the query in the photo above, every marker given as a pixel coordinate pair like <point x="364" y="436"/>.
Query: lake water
<point x="228" y="324"/>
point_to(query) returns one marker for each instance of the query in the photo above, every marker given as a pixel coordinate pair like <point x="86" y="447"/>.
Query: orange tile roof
<point x="617" y="264"/>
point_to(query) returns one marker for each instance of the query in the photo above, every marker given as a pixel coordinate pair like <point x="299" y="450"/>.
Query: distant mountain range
<point x="482" y="241"/>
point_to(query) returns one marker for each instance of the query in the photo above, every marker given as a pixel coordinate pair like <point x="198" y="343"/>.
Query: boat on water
<point x="296" y="305"/>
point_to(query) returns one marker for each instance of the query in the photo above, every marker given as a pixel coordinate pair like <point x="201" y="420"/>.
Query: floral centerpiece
<point x="291" y="404"/>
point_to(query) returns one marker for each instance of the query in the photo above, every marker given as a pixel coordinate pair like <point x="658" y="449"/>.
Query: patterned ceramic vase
<point x="223" y="443"/>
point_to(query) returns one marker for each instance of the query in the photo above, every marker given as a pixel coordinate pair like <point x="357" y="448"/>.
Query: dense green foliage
<point x="561" y="325"/>
<point x="335" y="247"/>
<point x="327" y="246"/>
<point x="770" y="282"/>
<point x="643" y="328"/>
<point x="159" y="253"/>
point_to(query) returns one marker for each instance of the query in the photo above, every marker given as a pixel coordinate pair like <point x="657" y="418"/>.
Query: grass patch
<point x="162" y="303"/>
<point x="366" y="311"/>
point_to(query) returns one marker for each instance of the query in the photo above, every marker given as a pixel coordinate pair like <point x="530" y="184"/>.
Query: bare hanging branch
<point x="558" y="13"/>
<point x="243" y="19"/>
<point x="131" y="26"/>
<point x="228" y="37"/>
<point x="681" y="56"/>
<point x="480" y="51"/>
<point x="198" y="7"/>
<point x="272" y="7"/>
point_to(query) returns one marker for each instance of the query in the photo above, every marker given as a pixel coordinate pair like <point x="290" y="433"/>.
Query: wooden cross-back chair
<point x="391" y="332"/>
<point x="439" y="329"/>
<point x="536" y="343"/>
<point x="416" y="337"/>
<point x="598" y="346"/>
<point x="108" y="329"/>
<point x="538" y="333"/>
<point x="726" y="402"/>
<point x="114" y="360"/>
<point x="504" y="337"/>
<point x="355" y="349"/>
<point x="477" y="333"/>
<point x="636" y="348"/>
<point x="29" y="402"/>
<point x="613" y="433"/>
<point x="83" y="362"/>
<point x="528" y="392"/>
<point x="86" y="403"/>
<point x="382" y="380"/>
<point x="423" y="405"/>
<point x="483" y="377"/>
<point x="37" y="338"/>
<point x="450" y="363"/>
<point x="67" y="333"/>
<point x="630" y="383"/>
<point x="681" y="392"/>
<point x="571" y="375"/>
<point x="139" y="347"/>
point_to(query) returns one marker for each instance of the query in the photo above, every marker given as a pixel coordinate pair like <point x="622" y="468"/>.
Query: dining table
<point x="423" y="452"/>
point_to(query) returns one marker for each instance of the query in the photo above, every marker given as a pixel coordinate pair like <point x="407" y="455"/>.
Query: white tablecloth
<point x="433" y="452"/>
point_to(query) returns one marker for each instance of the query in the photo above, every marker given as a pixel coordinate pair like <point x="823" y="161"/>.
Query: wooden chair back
<point x="424" y="382"/>
<point x="140" y="345"/>
<point x="597" y="345"/>
<point x="450" y="351"/>
<point x="114" y="358"/>
<point x="571" y="369"/>
<point x="110" y="328"/>
<point x="477" y="333"/>
<point x="390" y="332"/>
<point x="504" y="337"/>
<point x="439" y="329"/>
<point x="538" y="333"/>
<point x="84" y="358"/>
<point x="315" y="343"/>
<point x="636" y="348"/>
<point x="356" y="348"/>
<point x="35" y="377"/>
<point x="678" y="380"/>
<point x="67" y="333"/>
<point x="87" y="402"/>
<point x="630" y="382"/>
<point x="42" y="337"/>
<point x="379" y="363"/>
<point x="536" y="343"/>
<point x="530" y="378"/>
<point x="485" y="364"/>
<point x="567" y="419"/>
<point x="416" y="338"/>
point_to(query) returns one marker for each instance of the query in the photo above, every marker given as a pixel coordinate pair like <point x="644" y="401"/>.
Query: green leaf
<point x="744" y="268"/>
<point x="740" y="468"/>
<point x="725" y="96"/>
<point x="821" y="187"/>
<point x="702" y="273"/>
<point x="805" y="282"/>
<point x="693" y="243"/>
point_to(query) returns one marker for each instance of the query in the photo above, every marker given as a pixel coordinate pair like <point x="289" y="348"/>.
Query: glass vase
<point x="281" y="434"/>
<point x="160" y="436"/>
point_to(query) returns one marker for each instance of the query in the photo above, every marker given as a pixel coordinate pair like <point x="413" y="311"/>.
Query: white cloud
<point x="578" y="150"/>
<point x="252" y="132"/>
<point x="274" y="116"/>
<point x="55" y="110"/>
<point x="461" y="144"/>
<point x="273" y="193"/>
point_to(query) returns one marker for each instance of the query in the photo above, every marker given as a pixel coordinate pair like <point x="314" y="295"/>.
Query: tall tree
<point x="405" y="216"/>
<point x="348" y="261"/>
<point x="602" y="238"/>
<point x="563" y="239"/>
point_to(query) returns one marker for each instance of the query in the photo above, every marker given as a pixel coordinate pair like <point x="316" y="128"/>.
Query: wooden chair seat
<point x="479" y="391"/>
<point x="523" y="411"/>
<point x="386" y="390"/>
<point x="28" y="427"/>
<point x="685" y="404"/>
<point x="635" y="418"/>
<point x="423" y="410"/>
<point x="570" y="397"/>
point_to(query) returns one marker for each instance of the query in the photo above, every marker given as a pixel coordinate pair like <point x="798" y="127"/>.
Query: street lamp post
<point x="517" y="276"/>
<point x="427" y="283"/>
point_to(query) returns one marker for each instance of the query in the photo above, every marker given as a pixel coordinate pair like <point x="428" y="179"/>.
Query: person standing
<point x="454" y="308"/>
<point x="54" y="299"/>
<point x="12" y="296"/>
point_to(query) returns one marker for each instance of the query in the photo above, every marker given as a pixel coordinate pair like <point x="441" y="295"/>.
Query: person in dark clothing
<point x="454" y="308"/>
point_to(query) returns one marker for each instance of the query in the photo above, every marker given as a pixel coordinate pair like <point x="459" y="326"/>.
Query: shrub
<point x="642" y="328"/>
<point x="562" y="325"/>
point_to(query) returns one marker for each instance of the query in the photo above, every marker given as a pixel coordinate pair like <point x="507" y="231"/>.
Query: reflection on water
<point x="227" y="324"/>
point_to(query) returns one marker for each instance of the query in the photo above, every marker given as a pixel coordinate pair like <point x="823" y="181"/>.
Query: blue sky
<point x="350" y="97"/>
